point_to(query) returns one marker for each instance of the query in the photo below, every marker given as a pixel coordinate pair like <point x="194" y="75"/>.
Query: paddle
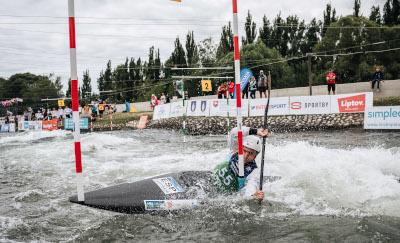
<point x="264" y="138"/>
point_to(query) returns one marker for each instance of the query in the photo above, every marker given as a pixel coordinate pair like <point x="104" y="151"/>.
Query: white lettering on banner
<point x="277" y="106"/>
<point x="303" y="105"/>
<point x="384" y="117"/>
<point x="351" y="103"/>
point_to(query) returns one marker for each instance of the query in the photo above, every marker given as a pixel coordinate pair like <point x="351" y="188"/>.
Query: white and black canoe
<point x="173" y="191"/>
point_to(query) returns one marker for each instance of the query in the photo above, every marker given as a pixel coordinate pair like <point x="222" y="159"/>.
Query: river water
<point x="335" y="186"/>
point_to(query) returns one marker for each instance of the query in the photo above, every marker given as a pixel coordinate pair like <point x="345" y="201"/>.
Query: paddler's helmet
<point x="252" y="142"/>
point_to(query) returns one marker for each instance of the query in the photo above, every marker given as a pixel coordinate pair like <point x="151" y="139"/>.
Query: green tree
<point x="388" y="13"/>
<point x="31" y="88"/>
<point x="108" y="82"/>
<point x="207" y="52"/>
<point x="375" y="15"/>
<point x="192" y="54"/>
<point x="329" y="17"/>
<point x="68" y="93"/>
<point x="357" y="5"/>
<point x="250" y="29"/>
<point x="100" y="83"/>
<point x="282" y="75"/>
<point x="265" y="32"/>
<point x="131" y="80"/>
<point x="348" y="67"/>
<point x="86" y="86"/>
<point x="226" y="41"/>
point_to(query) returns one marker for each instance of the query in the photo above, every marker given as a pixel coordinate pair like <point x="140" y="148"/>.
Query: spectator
<point x="377" y="78"/>
<point x="245" y="91"/>
<point x="221" y="91"/>
<point x="86" y="112"/>
<point x="54" y="113"/>
<point x="331" y="81"/>
<point x="162" y="99"/>
<point x="30" y="112"/>
<point x="94" y="112"/>
<point x="61" y="114"/>
<point x="231" y="88"/>
<point x="153" y="101"/>
<point x="262" y="84"/>
<point x="68" y="112"/>
<point x="167" y="99"/>
<point x="253" y="87"/>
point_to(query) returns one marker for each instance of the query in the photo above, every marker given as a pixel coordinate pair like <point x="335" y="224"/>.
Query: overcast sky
<point x="34" y="33"/>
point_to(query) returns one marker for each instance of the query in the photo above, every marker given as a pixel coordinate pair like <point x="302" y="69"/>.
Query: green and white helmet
<point x="252" y="142"/>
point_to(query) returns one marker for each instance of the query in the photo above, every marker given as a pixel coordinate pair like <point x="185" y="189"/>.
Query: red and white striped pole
<point x="238" y="92"/>
<point x="75" y="101"/>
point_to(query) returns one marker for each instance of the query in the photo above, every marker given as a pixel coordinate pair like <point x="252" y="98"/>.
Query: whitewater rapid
<point x="318" y="177"/>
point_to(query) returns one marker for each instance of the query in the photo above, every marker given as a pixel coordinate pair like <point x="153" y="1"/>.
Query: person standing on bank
<point x="376" y="79"/>
<point x="331" y="81"/>
<point x="245" y="91"/>
<point x="253" y="87"/>
<point x="262" y="84"/>
<point x="226" y="174"/>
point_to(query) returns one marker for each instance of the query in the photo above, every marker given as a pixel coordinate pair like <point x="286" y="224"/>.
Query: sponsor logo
<point x="203" y="105"/>
<point x="262" y="107"/>
<point x="168" y="185"/>
<point x="295" y="105"/>
<point x="154" y="204"/>
<point x="215" y="103"/>
<point x="391" y="113"/>
<point x="311" y="105"/>
<point x="193" y="106"/>
<point x="352" y="104"/>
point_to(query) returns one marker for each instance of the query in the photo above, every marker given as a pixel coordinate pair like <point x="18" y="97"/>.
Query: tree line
<point x="351" y="45"/>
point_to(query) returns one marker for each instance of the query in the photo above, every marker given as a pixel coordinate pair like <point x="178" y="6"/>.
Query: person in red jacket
<point x="231" y="88"/>
<point x="331" y="81"/>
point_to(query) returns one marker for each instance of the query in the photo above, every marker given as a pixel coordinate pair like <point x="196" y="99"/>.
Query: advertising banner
<point x="198" y="108"/>
<point x="23" y="125"/>
<point x="384" y="117"/>
<point x="177" y="109"/>
<point x="161" y="112"/>
<point x="277" y="106"/>
<point x="69" y="124"/>
<point x="49" y="125"/>
<point x="219" y="107"/>
<point x="4" y="128"/>
<point x="11" y="127"/>
<point x="245" y="107"/>
<point x="351" y="103"/>
<point x="303" y="105"/>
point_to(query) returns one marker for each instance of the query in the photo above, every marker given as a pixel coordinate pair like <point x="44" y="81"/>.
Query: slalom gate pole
<point x="241" y="178"/>
<point x="265" y="125"/>
<point x="75" y="101"/>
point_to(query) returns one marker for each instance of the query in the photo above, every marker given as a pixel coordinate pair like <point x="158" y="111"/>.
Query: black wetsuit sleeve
<point x="253" y="131"/>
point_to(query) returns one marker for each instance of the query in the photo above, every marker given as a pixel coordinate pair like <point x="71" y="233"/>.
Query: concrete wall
<point x="388" y="88"/>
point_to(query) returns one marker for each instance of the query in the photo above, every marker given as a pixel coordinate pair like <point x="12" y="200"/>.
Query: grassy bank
<point x="387" y="101"/>
<point x="121" y="118"/>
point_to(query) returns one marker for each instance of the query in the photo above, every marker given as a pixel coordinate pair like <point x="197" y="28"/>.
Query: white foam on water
<point x="315" y="180"/>
<point x="320" y="180"/>
<point x="30" y="136"/>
